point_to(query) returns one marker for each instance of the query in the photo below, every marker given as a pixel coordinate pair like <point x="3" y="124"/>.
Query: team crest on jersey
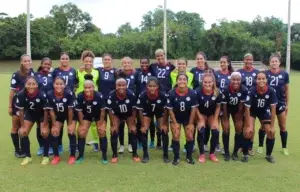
<point x="17" y="100"/>
<point x="229" y="77"/>
<point x="253" y="74"/>
<point x="111" y="71"/>
<point x="213" y="98"/>
<point x="94" y="102"/>
<point x="13" y="81"/>
<point x="188" y="98"/>
<point x="53" y="100"/>
<point x="64" y="100"/>
<point x="158" y="101"/>
<point x="168" y="68"/>
<point x="127" y="101"/>
<point x="132" y="77"/>
<point x="239" y="94"/>
<point x="37" y="100"/>
<point x="248" y="98"/>
<point x="149" y="74"/>
<point x="138" y="101"/>
<point x="26" y="99"/>
<point x="280" y="76"/>
<point x="267" y="96"/>
<point x="168" y="100"/>
<point x="49" y="75"/>
<point x="70" y="73"/>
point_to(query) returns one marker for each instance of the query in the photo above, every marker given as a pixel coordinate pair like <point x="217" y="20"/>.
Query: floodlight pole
<point x="165" y="29"/>
<point x="28" y="44"/>
<point x="288" y="48"/>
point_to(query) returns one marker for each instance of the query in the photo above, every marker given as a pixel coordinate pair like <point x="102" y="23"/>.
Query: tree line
<point x="67" y="28"/>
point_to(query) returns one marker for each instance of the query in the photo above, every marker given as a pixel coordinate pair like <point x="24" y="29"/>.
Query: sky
<point x="110" y="14"/>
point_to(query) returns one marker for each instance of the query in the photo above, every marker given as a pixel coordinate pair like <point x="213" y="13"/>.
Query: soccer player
<point x="121" y="104"/>
<point x="91" y="108"/>
<point x="17" y="83"/>
<point x="261" y="103"/>
<point x="181" y="68"/>
<point x="223" y="75"/>
<point x="32" y="105"/>
<point x="182" y="104"/>
<point x="279" y="80"/>
<point x="209" y="99"/>
<point x="248" y="79"/>
<point x="87" y="58"/>
<point x="45" y="82"/>
<point x="152" y="103"/>
<point x="61" y="106"/>
<point x="233" y="100"/>
<point x="69" y="75"/>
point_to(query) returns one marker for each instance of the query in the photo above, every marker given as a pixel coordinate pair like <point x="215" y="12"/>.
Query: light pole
<point x="288" y="48"/>
<point x="165" y="29"/>
<point x="28" y="44"/>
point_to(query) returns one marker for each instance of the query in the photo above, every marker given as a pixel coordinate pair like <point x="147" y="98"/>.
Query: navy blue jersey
<point x="60" y="105"/>
<point x="233" y="98"/>
<point x="261" y="103"/>
<point x="162" y="73"/>
<point x="141" y="80"/>
<point x="152" y="106"/>
<point x="182" y="104"/>
<point x="45" y="81"/>
<point x="278" y="81"/>
<point x="121" y="107"/>
<point x="91" y="108"/>
<point x="18" y="81"/>
<point x="33" y="105"/>
<point x="249" y="77"/>
<point x="198" y="74"/>
<point x="107" y="81"/>
<point x="222" y="80"/>
<point x="208" y="103"/>
<point x="69" y="77"/>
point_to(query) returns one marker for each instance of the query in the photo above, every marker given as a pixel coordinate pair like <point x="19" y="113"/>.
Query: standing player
<point x="45" y="82"/>
<point x="209" y="99"/>
<point x="60" y="105"/>
<point x="182" y="103"/>
<point x="121" y="104"/>
<point x="87" y="58"/>
<point x="17" y="83"/>
<point x="181" y="68"/>
<point x="248" y="79"/>
<point x="91" y="108"/>
<point x="261" y="103"/>
<point x="234" y="97"/>
<point x="69" y="75"/>
<point x="152" y="103"/>
<point x="279" y="80"/>
<point x="32" y="105"/>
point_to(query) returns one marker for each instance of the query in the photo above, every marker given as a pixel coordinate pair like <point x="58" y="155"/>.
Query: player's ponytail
<point x="88" y="79"/>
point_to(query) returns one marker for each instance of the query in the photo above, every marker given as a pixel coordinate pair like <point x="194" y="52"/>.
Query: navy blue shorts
<point x="34" y="118"/>
<point x="123" y="116"/>
<point x="183" y="122"/>
<point x="261" y="115"/>
<point x="91" y="118"/>
<point x="150" y="114"/>
<point x="280" y="108"/>
<point x="61" y="118"/>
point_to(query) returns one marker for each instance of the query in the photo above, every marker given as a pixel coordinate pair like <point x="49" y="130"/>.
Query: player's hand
<point x="190" y="127"/>
<point x="164" y="128"/>
<point x="22" y="131"/>
<point x="248" y="132"/>
<point x="44" y="132"/>
<point x="10" y="111"/>
<point x="81" y="69"/>
<point x="143" y="129"/>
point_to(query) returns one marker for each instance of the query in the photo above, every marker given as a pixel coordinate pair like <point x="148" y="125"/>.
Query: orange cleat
<point x="55" y="160"/>
<point x="136" y="159"/>
<point x="71" y="160"/>
<point x="202" y="158"/>
<point x="213" y="158"/>
<point x="114" y="160"/>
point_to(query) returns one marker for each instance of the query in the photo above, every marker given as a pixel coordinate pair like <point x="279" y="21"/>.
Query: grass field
<point x="257" y="175"/>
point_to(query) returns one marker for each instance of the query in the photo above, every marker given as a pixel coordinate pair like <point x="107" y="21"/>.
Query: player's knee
<point x="14" y="130"/>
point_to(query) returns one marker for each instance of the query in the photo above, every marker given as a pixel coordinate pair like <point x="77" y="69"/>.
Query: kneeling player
<point x="152" y="103"/>
<point x="32" y="105"/>
<point x="91" y="107"/>
<point x="261" y="103"/>
<point x="182" y="103"/>
<point x="233" y="105"/>
<point x="121" y="104"/>
<point x="60" y="104"/>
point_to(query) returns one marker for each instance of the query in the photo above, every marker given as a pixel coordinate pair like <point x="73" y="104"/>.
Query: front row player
<point x="32" y="105"/>
<point x="261" y="103"/>
<point x="121" y="104"/>
<point x="152" y="102"/>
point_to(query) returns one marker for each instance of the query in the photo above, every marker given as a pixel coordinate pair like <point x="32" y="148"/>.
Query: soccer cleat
<point x="159" y="147"/>
<point x="245" y="158"/>
<point x="95" y="147"/>
<point x="251" y="152"/>
<point x="213" y="158"/>
<point x="121" y="149"/>
<point x="240" y="150"/>
<point x="20" y="154"/>
<point x="55" y="160"/>
<point x="26" y="161"/>
<point x="40" y="151"/>
<point x="190" y="161"/>
<point x="145" y="159"/>
<point x="71" y="160"/>
<point x="166" y="159"/>
<point x="151" y="145"/>
<point x="226" y="157"/>
<point x="223" y="152"/>
<point x="130" y="148"/>
<point x="170" y="149"/>
<point x="218" y="148"/>
<point x="45" y="161"/>
<point x="136" y="159"/>
<point x="79" y="160"/>
<point x="260" y="150"/>
<point x="285" y="151"/>
<point x="202" y="158"/>
<point x="114" y="159"/>
<point x="206" y="148"/>
<point x="50" y="152"/>
<point x="61" y="149"/>
<point x="104" y="161"/>
<point x="270" y="159"/>
<point x="235" y="156"/>
<point x="176" y="161"/>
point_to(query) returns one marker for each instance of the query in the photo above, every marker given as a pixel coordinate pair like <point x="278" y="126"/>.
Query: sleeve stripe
<point x="78" y="109"/>
<point x="224" y="102"/>
<point x="169" y="107"/>
<point x="19" y="107"/>
<point x="247" y="105"/>
<point x="139" y="108"/>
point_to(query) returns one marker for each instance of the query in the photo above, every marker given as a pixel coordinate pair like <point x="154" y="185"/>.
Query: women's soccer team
<point x="155" y="97"/>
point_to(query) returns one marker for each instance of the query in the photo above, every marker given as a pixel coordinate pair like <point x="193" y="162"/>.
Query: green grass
<point x="257" y="175"/>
